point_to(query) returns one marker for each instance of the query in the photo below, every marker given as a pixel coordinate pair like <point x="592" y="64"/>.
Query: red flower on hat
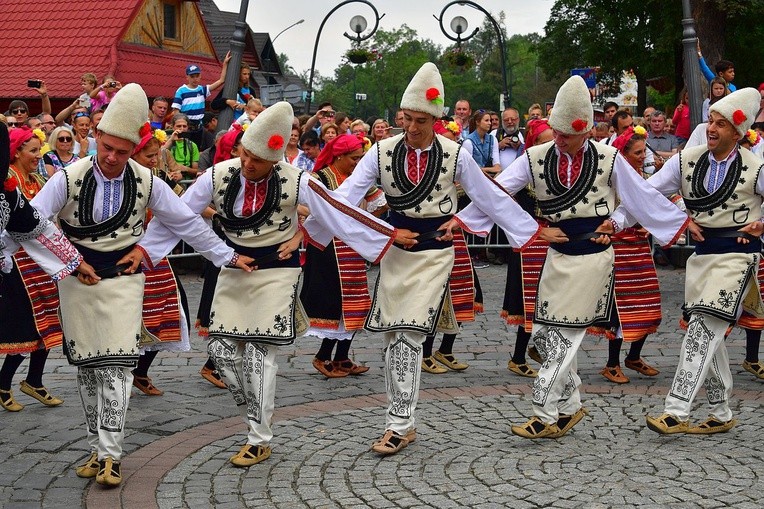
<point x="738" y="117"/>
<point x="432" y="94"/>
<point x="275" y="142"/>
<point x="10" y="184"/>
<point x="578" y="124"/>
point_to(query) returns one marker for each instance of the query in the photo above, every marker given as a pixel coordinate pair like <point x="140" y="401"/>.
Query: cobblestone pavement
<point x="178" y="444"/>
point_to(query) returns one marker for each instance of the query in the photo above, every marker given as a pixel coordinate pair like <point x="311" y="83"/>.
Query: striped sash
<point x="161" y="312"/>
<point x="354" y="286"/>
<point x="532" y="258"/>
<point x="43" y="295"/>
<point x="461" y="283"/>
<point x="747" y="320"/>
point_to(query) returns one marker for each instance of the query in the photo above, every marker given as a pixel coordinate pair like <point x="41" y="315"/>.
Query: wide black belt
<point x="427" y="228"/>
<point x="105" y="262"/>
<point x="580" y="232"/>
<point x="724" y="240"/>
<point x="266" y="257"/>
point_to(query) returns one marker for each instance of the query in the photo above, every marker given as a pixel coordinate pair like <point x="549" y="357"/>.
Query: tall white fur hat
<point x="267" y="135"/>
<point x="572" y="112"/>
<point x="425" y="91"/>
<point x="740" y="108"/>
<point x="126" y="114"/>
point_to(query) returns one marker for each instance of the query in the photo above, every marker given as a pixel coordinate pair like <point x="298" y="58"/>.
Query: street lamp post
<point x="225" y="119"/>
<point x="287" y="28"/>
<point x="459" y="26"/>
<point x="357" y="24"/>
<point x="691" y="65"/>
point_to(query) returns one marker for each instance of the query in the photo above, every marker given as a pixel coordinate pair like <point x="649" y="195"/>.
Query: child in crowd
<point x="101" y="96"/>
<point x="89" y="83"/>
<point x="190" y="98"/>
<point x="251" y="111"/>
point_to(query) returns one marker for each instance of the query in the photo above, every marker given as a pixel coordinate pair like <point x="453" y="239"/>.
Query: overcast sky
<point x="523" y="16"/>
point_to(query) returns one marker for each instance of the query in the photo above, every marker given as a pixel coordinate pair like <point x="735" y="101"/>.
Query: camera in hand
<point x="112" y="84"/>
<point x="34" y="83"/>
<point x="184" y="135"/>
<point x="514" y="138"/>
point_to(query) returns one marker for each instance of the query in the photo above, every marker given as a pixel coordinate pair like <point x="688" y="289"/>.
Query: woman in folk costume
<point x="335" y="293"/>
<point x="577" y="183"/>
<point x="165" y="307"/>
<point x="464" y="285"/>
<point x="256" y="197"/>
<point x="523" y="270"/>
<point x="228" y="148"/>
<point x="722" y="187"/>
<point x="28" y="296"/>
<point x="637" y="311"/>
<point x="101" y="203"/>
<point x="418" y="171"/>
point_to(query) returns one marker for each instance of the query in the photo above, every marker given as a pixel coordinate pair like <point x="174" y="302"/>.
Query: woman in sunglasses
<point x="61" y="152"/>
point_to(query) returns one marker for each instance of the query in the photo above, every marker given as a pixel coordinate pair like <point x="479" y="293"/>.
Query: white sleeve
<point x="646" y="204"/>
<point x="368" y="236"/>
<point x="495" y="203"/>
<point x="698" y="136"/>
<point x="52" y="197"/>
<point x="515" y="177"/>
<point x="353" y="190"/>
<point x="495" y="149"/>
<point x="179" y="221"/>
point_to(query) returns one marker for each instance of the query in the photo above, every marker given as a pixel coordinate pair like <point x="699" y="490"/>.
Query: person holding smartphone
<point x="184" y="151"/>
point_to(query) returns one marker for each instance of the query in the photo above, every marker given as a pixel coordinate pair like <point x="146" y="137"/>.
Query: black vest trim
<point x="563" y="198"/>
<point x="86" y="199"/>
<point x="231" y="222"/>
<point x="700" y="200"/>
<point x="412" y="195"/>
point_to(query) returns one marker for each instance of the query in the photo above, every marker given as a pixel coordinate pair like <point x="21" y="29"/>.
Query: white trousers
<point x="555" y="389"/>
<point x="249" y="370"/>
<point x="403" y="370"/>
<point x="105" y="395"/>
<point x="703" y="360"/>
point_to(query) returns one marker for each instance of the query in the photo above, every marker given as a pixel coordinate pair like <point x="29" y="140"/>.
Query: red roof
<point x="58" y="42"/>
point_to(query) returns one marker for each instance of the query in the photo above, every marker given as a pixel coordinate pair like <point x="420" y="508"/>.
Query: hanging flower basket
<point x="459" y="58"/>
<point x="360" y="55"/>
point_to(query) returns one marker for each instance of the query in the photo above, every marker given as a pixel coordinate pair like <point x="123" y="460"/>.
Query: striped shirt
<point x="191" y="101"/>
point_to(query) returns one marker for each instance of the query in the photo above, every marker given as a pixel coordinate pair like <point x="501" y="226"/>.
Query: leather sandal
<point x="566" y="421"/>
<point x="250" y="455"/>
<point x="41" y="394"/>
<point x="143" y="383"/>
<point x="522" y="369"/>
<point x="449" y="361"/>
<point x="755" y="368"/>
<point x="7" y="401"/>
<point x="350" y="367"/>
<point x="90" y="468"/>
<point x="429" y="365"/>
<point x="667" y="424"/>
<point x="712" y="425"/>
<point x="110" y="473"/>
<point x="536" y="428"/>
<point x="391" y="442"/>
<point x="534" y="354"/>
<point x="614" y="374"/>
<point x="641" y="366"/>
<point x="213" y="377"/>
<point x="327" y="369"/>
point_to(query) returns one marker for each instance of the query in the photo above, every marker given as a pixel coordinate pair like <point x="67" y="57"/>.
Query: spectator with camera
<point x="324" y="115"/>
<point x="509" y="137"/>
<point x="184" y="151"/>
<point x="101" y="96"/>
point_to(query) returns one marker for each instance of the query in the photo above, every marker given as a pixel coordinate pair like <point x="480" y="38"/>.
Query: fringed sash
<point x="161" y="312"/>
<point x="354" y="285"/>
<point x="43" y="295"/>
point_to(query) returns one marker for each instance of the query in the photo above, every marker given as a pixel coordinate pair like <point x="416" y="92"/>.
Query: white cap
<point x="425" y="92"/>
<point x="267" y="135"/>
<point x="740" y="108"/>
<point x="572" y="112"/>
<point x="126" y="114"/>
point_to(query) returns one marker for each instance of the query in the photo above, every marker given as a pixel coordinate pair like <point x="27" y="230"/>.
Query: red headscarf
<point x="342" y="144"/>
<point x="226" y="143"/>
<point x="535" y="127"/>
<point x="146" y="134"/>
<point x="18" y="137"/>
<point x="620" y="142"/>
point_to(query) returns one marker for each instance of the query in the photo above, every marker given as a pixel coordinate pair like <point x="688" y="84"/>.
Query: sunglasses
<point x="14" y="124"/>
<point x="65" y="139"/>
<point x="19" y="110"/>
<point x="81" y="114"/>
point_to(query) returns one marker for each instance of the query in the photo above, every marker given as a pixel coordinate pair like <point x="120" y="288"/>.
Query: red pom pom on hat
<point x="10" y="184"/>
<point x="738" y="117"/>
<point x="432" y="93"/>
<point x="275" y="142"/>
<point x="145" y="130"/>
<point x="578" y="124"/>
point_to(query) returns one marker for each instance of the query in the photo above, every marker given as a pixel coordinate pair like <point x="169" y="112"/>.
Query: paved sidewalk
<point x="178" y="444"/>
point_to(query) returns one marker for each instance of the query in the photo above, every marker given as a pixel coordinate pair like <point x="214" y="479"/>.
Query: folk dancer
<point x="253" y="314"/>
<point x="577" y="183"/>
<point x="722" y="187"/>
<point x="418" y="171"/>
<point x="101" y="203"/>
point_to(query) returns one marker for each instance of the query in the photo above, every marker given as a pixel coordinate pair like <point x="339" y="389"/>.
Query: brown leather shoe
<point x="213" y="377"/>
<point x="327" y="369"/>
<point x="350" y="367"/>
<point x="390" y="443"/>
<point x="41" y="394"/>
<point x="640" y="366"/>
<point x="90" y="468"/>
<point x="614" y="374"/>
<point x="536" y="428"/>
<point x="110" y="473"/>
<point x="144" y="384"/>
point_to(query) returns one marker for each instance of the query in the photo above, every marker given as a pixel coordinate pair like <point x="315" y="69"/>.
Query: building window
<point x="170" y="20"/>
